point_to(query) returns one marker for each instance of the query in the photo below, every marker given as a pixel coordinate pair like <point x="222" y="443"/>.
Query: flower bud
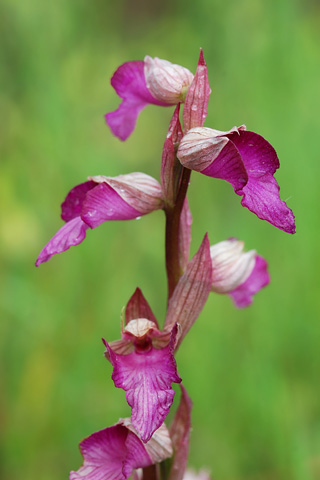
<point x="230" y="265"/>
<point x="166" y="81"/>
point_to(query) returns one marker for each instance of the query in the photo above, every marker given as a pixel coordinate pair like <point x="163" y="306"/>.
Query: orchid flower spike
<point x="237" y="273"/>
<point x="101" y="199"/>
<point x="115" y="452"/>
<point x="244" y="159"/>
<point x="140" y="83"/>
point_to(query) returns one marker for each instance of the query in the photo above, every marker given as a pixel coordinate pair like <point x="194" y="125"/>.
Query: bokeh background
<point x="253" y="374"/>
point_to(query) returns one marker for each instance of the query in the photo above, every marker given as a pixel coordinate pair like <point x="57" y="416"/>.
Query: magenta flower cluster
<point x="143" y="360"/>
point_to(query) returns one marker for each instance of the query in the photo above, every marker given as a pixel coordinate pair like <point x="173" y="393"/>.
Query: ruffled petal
<point x="129" y="83"/>
<point x="259" y="278"/>
<point x="146" y="376"/>
<point x="261" y="193"/>
<point x="72" y="233"/>
<point x="111" y="454"/>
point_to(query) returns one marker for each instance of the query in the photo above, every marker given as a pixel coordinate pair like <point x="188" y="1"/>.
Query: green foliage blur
<point x="253" y="374"/>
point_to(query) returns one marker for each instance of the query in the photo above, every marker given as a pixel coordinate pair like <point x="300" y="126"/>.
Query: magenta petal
<point x="146" y="376"/>
<point x="129" y="83"/>
<point x="259" y="278"/>
<point x="228" y="166"/>
<point x="261" y="193"/>
<point x="103" y="203"/>
<point x="72" y="233"/>
<point x="196" y="102"/>
<point x="111" y="454"/>
<point x="72" y="205"/>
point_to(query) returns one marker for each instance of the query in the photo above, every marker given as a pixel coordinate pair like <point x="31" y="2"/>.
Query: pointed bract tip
<point x="104" y="342"/>
<point x="201" y="58"/>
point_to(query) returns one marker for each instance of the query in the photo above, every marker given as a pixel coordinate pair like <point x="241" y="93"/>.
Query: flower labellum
<point x="145" y="372"/>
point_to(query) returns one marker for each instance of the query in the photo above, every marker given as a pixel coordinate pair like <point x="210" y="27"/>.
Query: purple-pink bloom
<point x="244" y="159"/>
<point x="259" y="278"/>
<point x="114" y="452"/>
<point x="140" y="83"/>
<point x="101" y="199"/>
<point x="144" y="366"/>
<point x="235" y="272"/>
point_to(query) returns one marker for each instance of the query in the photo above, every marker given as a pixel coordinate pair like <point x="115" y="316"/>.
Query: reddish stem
<point x="173" y="214"/>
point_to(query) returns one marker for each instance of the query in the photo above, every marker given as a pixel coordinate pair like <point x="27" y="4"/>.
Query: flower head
<point x="101" y="199"/>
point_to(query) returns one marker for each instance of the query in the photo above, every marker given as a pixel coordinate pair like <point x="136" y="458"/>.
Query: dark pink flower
<point x="237" y="273"/>
<point x="115" y="452"/>
<point x="101" y="199"/>
<point x="244" y="159"/>
<point x="140" y="83"/>
<point x="144" y="366"/>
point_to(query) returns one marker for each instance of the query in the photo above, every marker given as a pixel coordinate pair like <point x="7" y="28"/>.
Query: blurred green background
<point x="253" y="374"/>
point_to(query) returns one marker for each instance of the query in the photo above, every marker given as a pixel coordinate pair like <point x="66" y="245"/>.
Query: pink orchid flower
<point x="98" y="200"/>
<point x="144" y="366"/>
<point x="140" y="83"/>
<point x="115" y="452"/>
<point x="239" y="274"/>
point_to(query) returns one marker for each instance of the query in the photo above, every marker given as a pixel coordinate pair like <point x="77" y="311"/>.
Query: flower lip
<point x="166" y="81"/>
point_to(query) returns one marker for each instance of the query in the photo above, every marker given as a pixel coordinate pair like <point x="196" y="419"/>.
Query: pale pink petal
<point x="103" y="203"/>
<point x="166" y="81"/>
<point x="170" y="166"/>
<point x="259" y="278"/>
<point x="129" y="83"/>
<point x="180" y="436"/>
<point x="212" y="153"/>
<point x="146" y="376"/>
<point x="196" y="102"/>
<point x="261" y="193"/>
<point x="111" y="454"/>
<point x="138" y="307"/>
<point x="72" y="233"/>
<point x="191" y="292"/>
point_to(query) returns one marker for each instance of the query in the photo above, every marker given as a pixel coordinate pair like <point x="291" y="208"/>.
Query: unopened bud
<point x="166" y="81"/>
<point x="230" y="265"/>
